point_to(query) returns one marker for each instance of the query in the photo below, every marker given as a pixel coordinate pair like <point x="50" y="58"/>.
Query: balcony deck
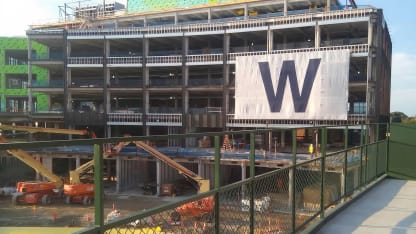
<point x="389" y="207"/>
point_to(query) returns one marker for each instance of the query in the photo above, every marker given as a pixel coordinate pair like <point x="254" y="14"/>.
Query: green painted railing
<point x="285" y="200"/>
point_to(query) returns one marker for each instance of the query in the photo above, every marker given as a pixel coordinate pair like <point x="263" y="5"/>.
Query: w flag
<point x="310" y="85"/>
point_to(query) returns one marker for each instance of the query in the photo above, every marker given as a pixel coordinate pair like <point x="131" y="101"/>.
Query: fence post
<point x="377" y="157"/>
<point x="366" y="153"/>
<point x="292" y="182"/>
<point x="98" y="187"/>
<point x="388" y="135"/>
<point x="361" y="155"/>
<point x="217" y="173"/>
<point x="323" y="157"/>
<point x="252" y="174"/>
<point x="345" y="159"/>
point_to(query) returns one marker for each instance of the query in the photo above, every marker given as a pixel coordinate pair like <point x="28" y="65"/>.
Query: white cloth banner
<point x="308" y="86"/>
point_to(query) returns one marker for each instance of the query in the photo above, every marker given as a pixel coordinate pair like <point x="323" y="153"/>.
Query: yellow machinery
<point x="33" y="192"/>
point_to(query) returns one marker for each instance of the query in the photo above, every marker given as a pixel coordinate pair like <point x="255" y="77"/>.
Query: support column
<point x="29" y="76"/>
<point x="245" y="11"/>
<point x="328" y="5"/>
<point x="226" y="76"/>
<point x="243" y="177"/>
<point x="269" y="40"/>
<point x="209" y="15"/>
<point x="107" y="75"/>
<point x="371" y="52"/>
<point x="185" y="94"/>
<point x="201" y="171"/>
<point x="118" y="174"/>
<point x="285" y="7"/>
<point x="282" y="138"/>
<point x="317" y="35"/>
<point x="158" y="176"/>
<point x="77" y="162"/>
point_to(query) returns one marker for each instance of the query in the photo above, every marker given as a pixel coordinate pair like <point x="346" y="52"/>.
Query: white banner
<point x="309" y="85"/>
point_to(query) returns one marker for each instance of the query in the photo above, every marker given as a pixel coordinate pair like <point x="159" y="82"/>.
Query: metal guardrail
<point x="85" y="60"/>
<point x="124" y="118"/>
<point x="124" y="60"/>
<point x="285" y="200"/>
<point x="176" y="60"/>
<point x="158" y="119"/>
<point x="225" y="24"/>
<point x="264" y="123"/>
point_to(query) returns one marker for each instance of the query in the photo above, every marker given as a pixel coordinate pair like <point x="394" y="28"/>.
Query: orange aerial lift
<point x="34" y="192"/>
<point x="203" y="208"/>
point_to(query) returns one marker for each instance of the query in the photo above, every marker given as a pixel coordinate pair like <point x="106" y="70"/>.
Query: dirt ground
<point x="60" y="214"/>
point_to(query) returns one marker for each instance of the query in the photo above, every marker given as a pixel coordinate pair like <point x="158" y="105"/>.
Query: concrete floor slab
<point x="389" y="207"/>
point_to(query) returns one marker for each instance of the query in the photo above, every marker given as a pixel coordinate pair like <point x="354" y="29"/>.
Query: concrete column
<point x="146" y="101"/>
<point x="158" y="176"/>
<point x="291" y="189"/>
<point x="243" y="177"/>
<point x="47" y="163"/>
<point x="77" y="162"/>
<point x="185" y="100"/>
<point x="269" y="40"/>
<point x="328" y="5"/>
<point x="118" y="175"/>
<point x="226" y="103"/>
<point x="284" y="41"/>
<point x="29" y="76"/>
<point x="285" y="7"/>
<point x="245" y="11"/>
<point x="201" y="171"/>
<point x="317" y="35"/>
<point x="282" y="138"/>
<point x="68" y="107"/>
<point x="370" y="62"/>
<point x="176" y="17"/>
<point x="209" y="15"/>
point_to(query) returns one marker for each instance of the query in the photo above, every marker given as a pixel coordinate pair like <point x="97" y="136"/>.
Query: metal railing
<point x="124" y="60"/>
<point x="124" y="118"/>
<point x="85" y="60"/>
<point x="176" y="60"/>
<point x="220" y="25"/>
<point x="265" y="123"/>
<point x="168" y="119"/>
<point x="285" y="200"/>
<point x="154" y="60"/>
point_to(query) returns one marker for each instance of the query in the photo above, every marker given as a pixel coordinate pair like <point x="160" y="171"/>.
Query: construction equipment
<point x="201" y="209"/>
<point x="34" y="192"/>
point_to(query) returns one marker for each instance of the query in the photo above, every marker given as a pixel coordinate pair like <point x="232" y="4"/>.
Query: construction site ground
<point x="60" y="214"/>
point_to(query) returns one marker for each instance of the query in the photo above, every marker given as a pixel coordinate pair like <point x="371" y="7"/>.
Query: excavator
<point x="35" y="192"/>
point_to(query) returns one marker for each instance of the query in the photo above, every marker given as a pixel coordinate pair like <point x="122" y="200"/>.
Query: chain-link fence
<point x="297" y="189"/>
<point x="284" y="200"/>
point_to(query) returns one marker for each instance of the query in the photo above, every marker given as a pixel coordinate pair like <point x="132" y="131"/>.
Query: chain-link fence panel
<point x="381" y="158"/>
<point x="372" y="155"/>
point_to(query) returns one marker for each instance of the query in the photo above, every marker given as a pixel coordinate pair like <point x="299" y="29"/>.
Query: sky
<point x="16" y="15"/>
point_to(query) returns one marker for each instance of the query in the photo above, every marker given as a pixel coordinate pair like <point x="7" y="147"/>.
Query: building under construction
<point x="164" y="68"/>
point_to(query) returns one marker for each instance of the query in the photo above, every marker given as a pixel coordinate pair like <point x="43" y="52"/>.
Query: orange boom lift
<point x="35" y="192"/>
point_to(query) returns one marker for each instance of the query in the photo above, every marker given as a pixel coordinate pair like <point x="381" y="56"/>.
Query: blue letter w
<point x="289" y="70"/>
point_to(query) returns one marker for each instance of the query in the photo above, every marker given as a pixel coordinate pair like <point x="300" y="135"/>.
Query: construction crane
<point x="34" y="192"/>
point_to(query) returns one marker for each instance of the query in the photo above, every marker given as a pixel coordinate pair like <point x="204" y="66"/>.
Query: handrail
<point x="224" y="24"/>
